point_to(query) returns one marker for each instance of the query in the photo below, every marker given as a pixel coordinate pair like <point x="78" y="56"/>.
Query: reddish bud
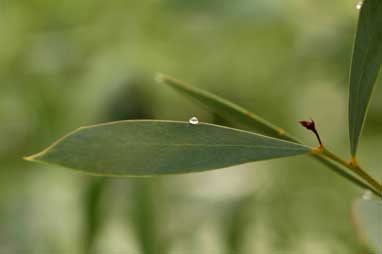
<point x="310" y="125"/>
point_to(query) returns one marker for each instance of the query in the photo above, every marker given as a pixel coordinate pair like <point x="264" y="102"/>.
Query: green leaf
<point x="368" y="220"/>
<point x="147" y="147"/>
<point x="223" y="107"/>
<point x="232" y="111"/>
<point x="366" y="64"/>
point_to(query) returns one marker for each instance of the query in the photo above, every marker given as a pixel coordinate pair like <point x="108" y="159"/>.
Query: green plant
<point x="146" y="147"/>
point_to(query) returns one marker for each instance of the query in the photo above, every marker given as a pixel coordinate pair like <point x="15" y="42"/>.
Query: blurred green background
<point x="65" y="64"/>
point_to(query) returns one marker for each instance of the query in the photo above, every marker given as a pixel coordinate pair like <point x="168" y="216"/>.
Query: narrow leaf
<point x="232" y="111"/>
<point x="223" y="107"/>
<point x="366" y="64"/>
<point x="146" y="147"/>
<point x="368" y="220"/>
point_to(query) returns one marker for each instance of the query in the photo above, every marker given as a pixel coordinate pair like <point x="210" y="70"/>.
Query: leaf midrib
<point x="215" y="145"/>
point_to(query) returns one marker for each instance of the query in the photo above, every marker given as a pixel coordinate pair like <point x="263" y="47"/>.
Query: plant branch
<point x="328" y="158"/>
<point x="231" y="111"/>
<point x="355" y="168"/>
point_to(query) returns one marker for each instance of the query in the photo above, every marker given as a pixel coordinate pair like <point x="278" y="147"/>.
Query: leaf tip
<point x="169" y="80"/>
<point x="29" y="158"/>
<point x="33" y="157"/>
<point x="161" y="78"/>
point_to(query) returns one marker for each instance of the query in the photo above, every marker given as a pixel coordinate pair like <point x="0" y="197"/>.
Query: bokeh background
<point x="69" y="63"/>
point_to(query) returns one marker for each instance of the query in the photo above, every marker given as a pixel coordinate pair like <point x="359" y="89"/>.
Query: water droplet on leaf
<point x="193" y="120"/>
<point x="358" y="6"/>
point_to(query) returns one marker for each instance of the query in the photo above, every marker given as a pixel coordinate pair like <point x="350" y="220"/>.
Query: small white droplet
<point x="193" y="120"/>
<point x="367" y="195"/>
<point x="358" y="6"/>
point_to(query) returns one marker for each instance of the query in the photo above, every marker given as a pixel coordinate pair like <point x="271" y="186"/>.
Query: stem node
<point x="318" y="150"/>
<point x="354" y="162"/>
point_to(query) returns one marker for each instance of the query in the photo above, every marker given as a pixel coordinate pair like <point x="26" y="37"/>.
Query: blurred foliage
<point x="64" y="64"/>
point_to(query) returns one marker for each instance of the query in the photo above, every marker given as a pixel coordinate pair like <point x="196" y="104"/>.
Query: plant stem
<point x="329" y="158"/>
<point x="340" y="171"/>
<point x="231" y="111"/>
<point x="355" y="169"/>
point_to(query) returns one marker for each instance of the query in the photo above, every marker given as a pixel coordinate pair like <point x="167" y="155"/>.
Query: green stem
<point x="329" y="158"/>
<point x="340" y="171"/>
<point x="232" y="111"/>
<point x="356" y="169"/>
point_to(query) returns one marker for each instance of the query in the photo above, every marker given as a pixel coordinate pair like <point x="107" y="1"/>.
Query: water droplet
<point x="367" y="195"/>
<point x="193" y="120"/>
<point x="358" y="6"/>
